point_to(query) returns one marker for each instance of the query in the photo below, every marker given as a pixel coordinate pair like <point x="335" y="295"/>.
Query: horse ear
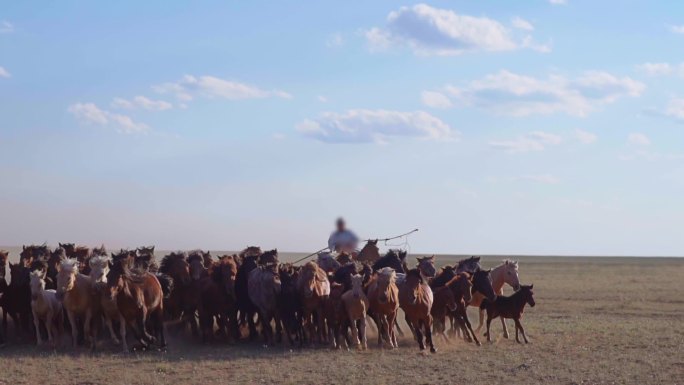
<point x="531" y="286"/>
<point x="489" y="271"/>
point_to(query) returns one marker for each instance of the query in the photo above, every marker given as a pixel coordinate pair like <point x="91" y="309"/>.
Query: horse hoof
<point x="478" y="343"/>
<point x="433" y="350"/>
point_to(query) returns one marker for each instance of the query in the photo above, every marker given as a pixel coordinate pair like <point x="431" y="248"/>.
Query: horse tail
<point x="166" y="283"/>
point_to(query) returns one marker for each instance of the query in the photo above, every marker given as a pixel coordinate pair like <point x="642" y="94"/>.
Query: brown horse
<point x="264" y="290"/>
<point x="461" y="287"/>
<point x="75" y="290"/>
<point x="314" y="288"/>
<point x="415" y="299"/>
<point x="288" y="303"/>
<point x="383" y="298"/>
<point x="53" y="264"/>
<point x="511" y="307"/>
<point x="16" y="300"/>
<point x="369" y="253"/>
<point x="268" y="258"/>
<point x="139" y="297"/>
<point x="426" y="265"/>
<point x="218" y="299"/>
<point x="144" y="259"/>
<point x="335" y="316"/>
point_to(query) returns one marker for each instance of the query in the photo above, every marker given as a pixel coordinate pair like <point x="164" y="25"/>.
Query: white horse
<point x="46" y="309"/>
<point x="506" y="273"/>
<point x="99" y="267"/>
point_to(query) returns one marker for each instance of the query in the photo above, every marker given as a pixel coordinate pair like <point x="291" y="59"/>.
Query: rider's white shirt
<point x="343" y="241"/>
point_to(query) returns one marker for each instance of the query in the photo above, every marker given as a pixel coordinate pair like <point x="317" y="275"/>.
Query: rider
<point x="343" y="240"/>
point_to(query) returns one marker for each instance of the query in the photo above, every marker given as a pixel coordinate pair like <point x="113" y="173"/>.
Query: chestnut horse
<point x="510" y="307"/>
<point x="217" y="299"/>
<point x="313" y="288"/>
<point x="180" y="303"/>
<point x="139" y="297"/>
<point x="415" y="299"/>
<point x="383" y="298"/>
<point x="356" y="305"/>
<point x="75" y="291"/>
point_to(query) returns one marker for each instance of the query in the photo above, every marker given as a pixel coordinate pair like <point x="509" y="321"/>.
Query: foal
<point x="509" y="307"/>
<point x="356" y="305"/>
<point x="46" y="308"/>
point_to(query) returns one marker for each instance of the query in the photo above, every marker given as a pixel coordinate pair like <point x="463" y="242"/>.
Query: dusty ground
<point x="597" y="321"/>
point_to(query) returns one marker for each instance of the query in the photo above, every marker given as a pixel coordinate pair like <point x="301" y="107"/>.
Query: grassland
<point x="597" y="321"/>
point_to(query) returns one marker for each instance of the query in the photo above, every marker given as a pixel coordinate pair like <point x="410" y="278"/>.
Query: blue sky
<point x="528" y="127"/>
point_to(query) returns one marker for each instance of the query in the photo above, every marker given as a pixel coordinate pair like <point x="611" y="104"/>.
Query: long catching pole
<point x="365" y="240"/>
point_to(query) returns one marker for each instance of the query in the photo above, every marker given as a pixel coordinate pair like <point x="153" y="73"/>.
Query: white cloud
<point x="585" y="137"/>
<point x="322" y="99"/>
<point x="675" y="109"/>
<point x="433" y="31"/>
<point x="638" y="139"/>
<point x="4" y="73"/>
<point x="91" y="114"/>
<point x="558" y="2"/>
<point x="532" y="141"/>
<point x="655" y="69"/>
<point x="435" y="99"/>
<point x="141" y="102"/>
<point x="364" y="126"/>
<point x="6" y="27"/>
<point x="520" y="95"/>
<point x="335" y="40"/>
<point x="521" y="23"/>
<point x="190" y="87"/>
<point x="678" y="29"/>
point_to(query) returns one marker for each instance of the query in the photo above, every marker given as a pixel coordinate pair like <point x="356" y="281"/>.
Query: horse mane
<point x="195" y="256"/>
<point x="318" y="273"/>
<point x="508" y="261"/>
<point x="99" y="260"/>
<point x="170" y="259"/>
<point x="69" y="265"/>
<point x="414" y="273"/>
<point x="215" y="271"/>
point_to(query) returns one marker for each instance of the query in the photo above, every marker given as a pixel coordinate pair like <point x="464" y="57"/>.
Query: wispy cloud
<point x="141" y="102"/>
<point x="655" y="69"/>
<point x="532" y="141"/>
<point x="91" y="114"/>
<point x="585" y="137"/>
<point x="434" y="31"/>
<point x="191" y="87"/>
<point x="366" y="126"/>
<point x="435" y="99"/>
<point x="519" y="95"/>
<point x="335" y="40"/>
<point x="558" y="2"/>
<point x="6" y="27"/>
<point x="638" y="139"/>
<point x="678" y="29"/>
<point x="520" y="23"/>
<point x="4" y="73"/>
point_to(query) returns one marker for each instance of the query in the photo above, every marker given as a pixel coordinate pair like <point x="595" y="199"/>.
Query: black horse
<point x="245" y="305"/>
<point x="396" y="259"/>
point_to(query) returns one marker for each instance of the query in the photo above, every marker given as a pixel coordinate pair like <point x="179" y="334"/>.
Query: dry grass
<point x="597" y="321"/>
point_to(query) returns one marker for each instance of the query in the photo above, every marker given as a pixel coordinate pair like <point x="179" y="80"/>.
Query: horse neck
<point x="498" y="276"/>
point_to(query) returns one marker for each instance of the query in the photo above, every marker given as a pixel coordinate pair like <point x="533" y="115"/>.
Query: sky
<point x="495" y="127"/>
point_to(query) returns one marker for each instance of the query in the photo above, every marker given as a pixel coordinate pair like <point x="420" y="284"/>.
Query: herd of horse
<point x="237" y="297"/>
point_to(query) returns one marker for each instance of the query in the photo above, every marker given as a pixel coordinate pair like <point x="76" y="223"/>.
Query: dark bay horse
<point x="511" y="307"/>
<point x="369" y="253"/>
<point x="469" y="265"/>
<point x="179" y="304"/>
<point x="16" y="300"/>
<point x="264" y="291"/>
<point x="289" y="307"/>
<point x="396" y="259"/>
<point x="144" y="259"/>
<point x="218" y="300"/>
<point x="245" y="306"/>
<point x="139" y="298"/>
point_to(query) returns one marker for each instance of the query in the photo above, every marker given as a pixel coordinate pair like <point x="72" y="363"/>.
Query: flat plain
<point x="597" y="321"/>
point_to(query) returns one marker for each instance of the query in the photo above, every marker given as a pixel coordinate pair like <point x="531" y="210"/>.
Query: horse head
<point x="66" y="277"/>
<point x="511" y="274"/>
<point x="482" y="283"/>
<point x="426" y="266"/>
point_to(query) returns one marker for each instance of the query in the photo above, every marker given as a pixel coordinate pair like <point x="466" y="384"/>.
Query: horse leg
<point x="252" y="325"/>
<point x="158" y="316"/>
<point x="480" y="323"/>
<point x="110" y="327"/>
<point x="36" y="323"/>
<point x="380" y="323"/>
<point x="362" y="331"/>
<point x="489" y="322"/>
<point x="470" y="328"/>
<point x="279" y="329"/>
<point x="354" y="334"/>
<point x="428" y="333"/>
<point x="74" y="328"/>
<point x="418" y="330"/>
<point x="391" y="319"/>
<point x="122" y="332"/>
<point x="519" y="326"/>
<point x="87" y="328"/>
<point x="505" y="330"/>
